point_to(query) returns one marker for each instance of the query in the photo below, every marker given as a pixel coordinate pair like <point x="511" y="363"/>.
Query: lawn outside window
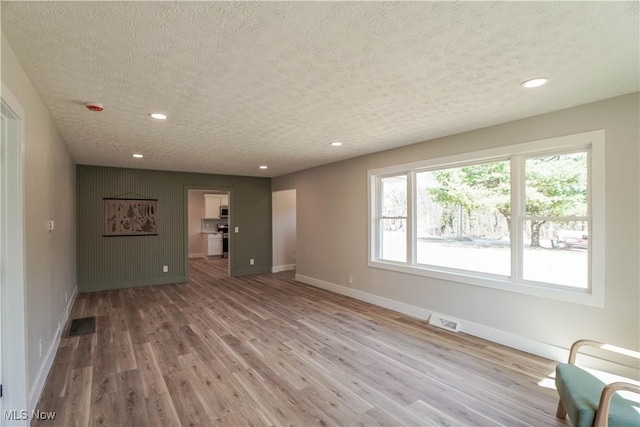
<point x="525" y="218"/>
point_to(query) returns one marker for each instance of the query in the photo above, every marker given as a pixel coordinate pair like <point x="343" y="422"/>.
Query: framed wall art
<point x="130" y="217"/>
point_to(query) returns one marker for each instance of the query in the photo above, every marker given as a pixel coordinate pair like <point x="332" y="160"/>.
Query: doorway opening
<point x="208" y="246"/>
<point x="13" y="348"/>
<point x="283" y="216"/>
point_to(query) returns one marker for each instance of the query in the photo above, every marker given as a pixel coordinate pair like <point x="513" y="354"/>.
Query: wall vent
<point x="440" y="321"/>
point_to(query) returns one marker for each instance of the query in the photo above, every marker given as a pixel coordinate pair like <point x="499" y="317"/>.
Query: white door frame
<point x="12" y="289"/>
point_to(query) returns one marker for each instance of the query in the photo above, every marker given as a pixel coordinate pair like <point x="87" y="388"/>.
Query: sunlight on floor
<point x="549" y="381"/>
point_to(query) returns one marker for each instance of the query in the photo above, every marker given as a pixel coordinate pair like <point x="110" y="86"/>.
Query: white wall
<point x="334" y="197"/>
<point x="284" y="230"/>
<point x="49" y="189"/>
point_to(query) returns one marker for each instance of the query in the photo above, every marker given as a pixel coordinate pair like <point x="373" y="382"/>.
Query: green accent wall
<point x="129" y="261"/>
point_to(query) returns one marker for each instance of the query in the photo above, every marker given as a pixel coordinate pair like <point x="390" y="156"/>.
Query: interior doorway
<point x="284" y="230"/>
<point x="208" y="238"/>
<point x="13" y="350"/>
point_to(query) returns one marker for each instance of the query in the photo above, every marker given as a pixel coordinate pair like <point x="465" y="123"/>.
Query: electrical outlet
<point x="294" y="257"/>
<point x="51" y="225"/>
<point x="251" y="261"/>
<point x="350" y="279"/>
<point x="40" y="345"/>
<point x="165" y="268"/>
<point x="237" y="229"/>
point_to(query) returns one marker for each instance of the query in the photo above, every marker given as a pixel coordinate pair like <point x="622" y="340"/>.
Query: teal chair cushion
<point x="580" y="394"/>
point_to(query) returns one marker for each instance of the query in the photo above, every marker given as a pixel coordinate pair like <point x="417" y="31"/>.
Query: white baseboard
<point x="279" y="268"/>
<point x="508" y="339"/>
<point x="196" y="255"/>
<point x="43" y="372"/>
<point x="411" y="310"/>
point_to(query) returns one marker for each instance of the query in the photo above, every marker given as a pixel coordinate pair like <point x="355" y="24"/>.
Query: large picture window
<point x="526" y="218"/>
<point x="463" y="218"/>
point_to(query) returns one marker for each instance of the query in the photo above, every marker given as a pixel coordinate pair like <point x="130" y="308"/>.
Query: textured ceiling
<point x="246" y="84"/>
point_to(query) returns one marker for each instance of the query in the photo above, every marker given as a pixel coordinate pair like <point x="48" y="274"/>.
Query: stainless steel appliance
<point x="225" y="239"/>
<point x="224" y="211"/>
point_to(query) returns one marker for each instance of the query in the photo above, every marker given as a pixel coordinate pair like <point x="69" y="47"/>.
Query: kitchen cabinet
<point x="212" y="244"/>
<point x="212" y="204"/>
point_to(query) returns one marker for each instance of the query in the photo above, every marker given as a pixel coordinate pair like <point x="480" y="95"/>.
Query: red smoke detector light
<point x="94" y="106"/>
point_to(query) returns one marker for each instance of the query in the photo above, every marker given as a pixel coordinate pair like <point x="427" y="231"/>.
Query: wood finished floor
<point x="265" y="350"/>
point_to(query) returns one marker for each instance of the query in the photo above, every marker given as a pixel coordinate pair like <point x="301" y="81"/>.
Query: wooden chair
<point x="591" y="401"/>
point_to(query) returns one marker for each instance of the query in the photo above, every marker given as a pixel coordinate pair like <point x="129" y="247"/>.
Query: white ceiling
<point x="273" y="83"/>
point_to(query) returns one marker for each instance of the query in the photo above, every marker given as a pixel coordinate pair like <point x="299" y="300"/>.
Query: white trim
<point x="518" y="194"/>
<point x="508" y="339"/>
<point x="597" y="206"/>
<point x="577" y="296"/>
<point x="43" y="372"/>
<point x="593" y="141"/>
<point x="285" y="267"/>
<point x="197" y="255"/>
<point x="494" y="154"/>
<point x="13" y="309"/>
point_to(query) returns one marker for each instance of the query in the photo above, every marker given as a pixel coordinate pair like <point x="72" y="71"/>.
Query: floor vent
<point x="440" y="321"/>
<point x="86" y="325"/>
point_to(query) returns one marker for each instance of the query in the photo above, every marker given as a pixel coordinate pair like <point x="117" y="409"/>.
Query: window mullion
<point x="378" y="214"/>
<point x="411" y="218"/>
<point x="517" y="213"/>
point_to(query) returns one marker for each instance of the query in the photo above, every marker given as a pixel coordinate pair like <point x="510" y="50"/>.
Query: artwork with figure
<point x="130" y="217"/>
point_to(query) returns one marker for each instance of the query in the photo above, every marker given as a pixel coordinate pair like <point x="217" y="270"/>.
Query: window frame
<point x="593" y="142"/>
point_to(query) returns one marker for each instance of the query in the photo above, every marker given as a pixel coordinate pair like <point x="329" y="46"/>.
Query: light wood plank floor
<point x="265" y="350"/>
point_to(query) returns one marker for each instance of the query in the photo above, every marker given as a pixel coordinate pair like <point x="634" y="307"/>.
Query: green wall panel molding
<point x="259" y="270"/>
<point x="104" y="286"/>
<point x="120" y="262"/>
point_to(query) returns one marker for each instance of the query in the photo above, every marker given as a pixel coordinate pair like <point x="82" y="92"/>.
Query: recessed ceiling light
<point x="138" y="156"/>
<point x="335" y="144"/>
<point x="263" y="167"/>
<point x="537" y="82"/>
<point x="158" y="116"/>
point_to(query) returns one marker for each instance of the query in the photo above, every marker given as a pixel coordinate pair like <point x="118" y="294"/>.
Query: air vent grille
<point x="443" y="322"/>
